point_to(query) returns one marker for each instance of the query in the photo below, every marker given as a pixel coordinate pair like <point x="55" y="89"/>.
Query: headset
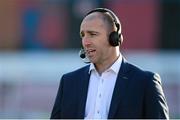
<point x="115" y="37"/>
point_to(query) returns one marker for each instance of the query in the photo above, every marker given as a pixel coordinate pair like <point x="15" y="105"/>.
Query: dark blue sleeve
<point x="155" y="102"/>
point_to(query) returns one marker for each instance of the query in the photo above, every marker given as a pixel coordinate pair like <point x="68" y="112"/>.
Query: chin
<point x="92" y="60"/>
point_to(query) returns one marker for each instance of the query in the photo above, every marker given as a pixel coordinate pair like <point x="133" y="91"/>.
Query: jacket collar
<point x="83" y="86"/>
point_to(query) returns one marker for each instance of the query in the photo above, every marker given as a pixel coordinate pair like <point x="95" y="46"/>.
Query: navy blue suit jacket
<point x="137" y="94"/>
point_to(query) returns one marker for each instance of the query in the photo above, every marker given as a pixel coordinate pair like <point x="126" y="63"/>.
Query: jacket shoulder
<point x="139" y="70"/>
<point x="141" y="74"/>
<point x="77" y="72"/>
<point x="82" y="69"/>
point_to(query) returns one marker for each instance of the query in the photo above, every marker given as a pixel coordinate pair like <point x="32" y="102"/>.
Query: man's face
<point x="94" y="34"/>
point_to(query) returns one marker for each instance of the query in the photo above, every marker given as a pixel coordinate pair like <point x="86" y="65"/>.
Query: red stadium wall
<point x="140" y="22"/>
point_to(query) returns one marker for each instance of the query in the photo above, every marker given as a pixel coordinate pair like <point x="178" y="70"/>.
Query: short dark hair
<point x="106" y="17"/>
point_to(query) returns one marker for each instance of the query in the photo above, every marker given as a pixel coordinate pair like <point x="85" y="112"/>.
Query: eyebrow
<point x="90" y="31"/>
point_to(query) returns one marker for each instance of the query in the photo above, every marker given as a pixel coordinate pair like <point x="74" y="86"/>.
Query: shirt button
<point x="99" y="95"/>
<point x="98" y="111"/>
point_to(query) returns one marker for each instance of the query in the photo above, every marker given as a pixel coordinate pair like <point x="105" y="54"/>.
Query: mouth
<point x="90" y="52"/>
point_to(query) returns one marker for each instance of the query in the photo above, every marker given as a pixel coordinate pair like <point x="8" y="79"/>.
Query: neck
<point x="104" y="65"/>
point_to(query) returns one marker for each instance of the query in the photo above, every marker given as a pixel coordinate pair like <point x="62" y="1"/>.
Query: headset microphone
<point x="82" y="55"/>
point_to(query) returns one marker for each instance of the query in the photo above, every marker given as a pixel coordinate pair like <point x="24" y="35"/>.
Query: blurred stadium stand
<point x="39" y="41"/>
<point x="29" y="81"/>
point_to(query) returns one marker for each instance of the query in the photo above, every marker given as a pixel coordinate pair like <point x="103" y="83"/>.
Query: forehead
<point x="93" y="20"/>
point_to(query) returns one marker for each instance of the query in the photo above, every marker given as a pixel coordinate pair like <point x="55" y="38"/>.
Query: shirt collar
<point x="115" y="66"/>
<point x="91" y="68"/>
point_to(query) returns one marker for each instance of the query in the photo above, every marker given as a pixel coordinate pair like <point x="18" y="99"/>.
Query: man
<point x="110" y="87"/>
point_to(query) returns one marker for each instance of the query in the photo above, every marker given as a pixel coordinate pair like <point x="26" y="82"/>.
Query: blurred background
<point x="39" y="41"/>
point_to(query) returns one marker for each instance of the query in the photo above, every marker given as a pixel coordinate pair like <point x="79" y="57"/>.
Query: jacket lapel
<point x="83" y="88"/>
<point x="120" y="88"/>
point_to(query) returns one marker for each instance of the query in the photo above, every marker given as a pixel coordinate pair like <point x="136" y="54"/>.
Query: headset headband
<point x="105" y="10"/>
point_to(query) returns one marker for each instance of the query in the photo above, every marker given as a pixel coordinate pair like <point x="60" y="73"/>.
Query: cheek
<point x="106" y="41"/>
<point x="102" y="49"/>
<point x="82" y="42"/>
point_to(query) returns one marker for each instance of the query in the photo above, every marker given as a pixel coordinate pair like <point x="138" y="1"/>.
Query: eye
<point x="82" y="34"/>
<point x="92" y="34"/>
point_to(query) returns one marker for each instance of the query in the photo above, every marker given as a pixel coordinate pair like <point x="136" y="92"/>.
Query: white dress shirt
<point x="100" y="91"/>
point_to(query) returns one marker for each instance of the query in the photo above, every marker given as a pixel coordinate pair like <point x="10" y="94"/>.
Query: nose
<point x="86" y="42"/>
